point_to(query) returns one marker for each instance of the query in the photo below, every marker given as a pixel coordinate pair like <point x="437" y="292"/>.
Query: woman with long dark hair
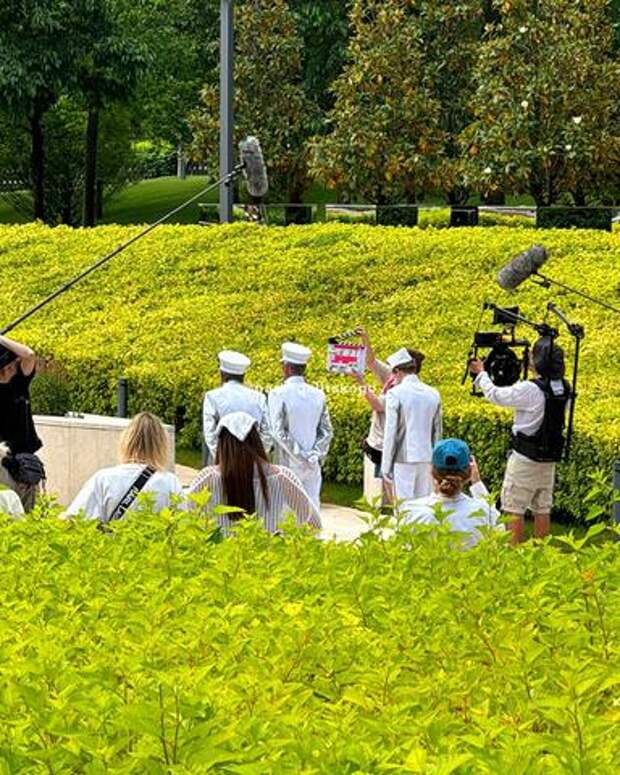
<point x="243" y="477"/>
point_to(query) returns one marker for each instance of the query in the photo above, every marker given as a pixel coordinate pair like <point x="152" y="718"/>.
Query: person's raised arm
<point x="377" y="403"/>
<point x="517" y="396"/>
<point x="27" y="357"/>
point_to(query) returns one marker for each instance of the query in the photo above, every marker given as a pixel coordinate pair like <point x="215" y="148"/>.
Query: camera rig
<point x="508" y="357"/>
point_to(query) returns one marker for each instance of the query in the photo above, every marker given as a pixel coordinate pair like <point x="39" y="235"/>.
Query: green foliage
<point x="571" y="217"/>
<point x="545" y="108"/>
<point x="385" y="133"/>
<point x="165" y="649"/>
<point x="160" y="313"/>
<point x="269" y="96"/>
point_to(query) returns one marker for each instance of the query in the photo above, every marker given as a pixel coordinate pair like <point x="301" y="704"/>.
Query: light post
<point x="227" y="117"/>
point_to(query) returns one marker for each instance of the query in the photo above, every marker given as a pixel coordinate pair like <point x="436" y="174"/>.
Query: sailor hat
<point x="232" y="362"/>
<point x="295" y="353"/>
<point x="401" y="357"/>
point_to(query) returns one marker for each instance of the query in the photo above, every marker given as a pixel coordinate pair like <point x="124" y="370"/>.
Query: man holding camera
<point x="537" y="435"/>
<point x="17" y="370"/>
<point x="413" y="424"/>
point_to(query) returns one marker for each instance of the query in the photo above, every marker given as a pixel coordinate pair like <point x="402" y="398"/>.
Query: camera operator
<point x="537" y="440"/>
<point x="17" y="370"/>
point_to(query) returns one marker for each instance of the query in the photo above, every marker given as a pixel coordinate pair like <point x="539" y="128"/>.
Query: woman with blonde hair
<point x="453" y="469"/>
<point x="143" y="456"/>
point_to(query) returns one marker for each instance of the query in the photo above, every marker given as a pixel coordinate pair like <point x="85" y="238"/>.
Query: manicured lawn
<point x="8" y="214"/>
<point x="147" y="201"/>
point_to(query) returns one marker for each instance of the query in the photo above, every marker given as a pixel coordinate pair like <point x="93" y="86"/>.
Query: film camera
<point x="505" y="357"/>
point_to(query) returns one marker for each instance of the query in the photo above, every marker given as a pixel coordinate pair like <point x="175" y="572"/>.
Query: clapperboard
<point x="345" y="358"/>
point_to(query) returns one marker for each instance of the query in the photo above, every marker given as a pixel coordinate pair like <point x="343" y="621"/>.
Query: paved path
<point x="339" y="522"/>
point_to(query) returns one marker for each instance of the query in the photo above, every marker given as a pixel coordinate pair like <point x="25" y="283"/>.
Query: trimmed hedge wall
<point x="159" y="314"/>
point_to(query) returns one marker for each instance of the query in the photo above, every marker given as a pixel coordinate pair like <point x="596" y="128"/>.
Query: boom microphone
<point x="521" y="267"/>
<point x="254" y="170"/>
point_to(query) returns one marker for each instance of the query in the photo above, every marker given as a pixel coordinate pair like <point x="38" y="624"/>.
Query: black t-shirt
<point x="16" y="423"/>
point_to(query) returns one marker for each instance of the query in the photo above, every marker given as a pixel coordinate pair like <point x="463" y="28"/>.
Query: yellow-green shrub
<point x="160" y="312"/>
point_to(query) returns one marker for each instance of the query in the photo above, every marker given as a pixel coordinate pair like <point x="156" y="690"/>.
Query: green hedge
<point x="160" y="313"/>
<point x="161" y="650"/>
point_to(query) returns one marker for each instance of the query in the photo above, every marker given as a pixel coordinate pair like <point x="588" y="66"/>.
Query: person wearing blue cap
<point x="453" y="467"/>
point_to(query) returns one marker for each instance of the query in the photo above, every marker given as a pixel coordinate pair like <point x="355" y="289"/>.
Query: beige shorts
<point x="527" y="485"/>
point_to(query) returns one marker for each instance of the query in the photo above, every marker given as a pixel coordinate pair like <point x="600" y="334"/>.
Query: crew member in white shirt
<point x="233" y="396"/>
<point x="453" y="468"/>
<point x="143" y="451"/>
<point x="528" y="482"/>
<point x="300" y="423"/>
<point x="413" y="424"/>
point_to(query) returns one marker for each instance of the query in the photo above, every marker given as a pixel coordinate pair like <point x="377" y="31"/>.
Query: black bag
<point x="25" y="468"/>
<point x="375" y="455"/>
<point x="132" y="493"/>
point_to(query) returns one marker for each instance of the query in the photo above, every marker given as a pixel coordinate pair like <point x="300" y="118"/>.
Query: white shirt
<point x="102" y="493"/>
<point x="286" y="496"/>
<point x="464" y="514"/>
<point x="525" y="397"/>
<point x="11" y="504"/>
<point x="412" y="423"/>
<point x="233" y="396"/>
<point x="300" y="422"/>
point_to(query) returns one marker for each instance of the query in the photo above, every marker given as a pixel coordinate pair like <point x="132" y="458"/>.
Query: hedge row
<point x="160" y="313"/>
<point x="166" y="651"/>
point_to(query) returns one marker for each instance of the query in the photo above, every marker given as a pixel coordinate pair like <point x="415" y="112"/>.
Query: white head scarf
<point x="237" y="423"/>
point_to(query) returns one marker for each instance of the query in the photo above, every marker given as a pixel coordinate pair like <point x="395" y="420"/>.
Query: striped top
<point x="286" y="496"/>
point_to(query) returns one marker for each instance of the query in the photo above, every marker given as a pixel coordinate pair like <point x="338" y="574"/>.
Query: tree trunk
<point x="579" y="196"/>
<point x="37" y="159"/>
<point x="99" y="199"/>
<point x="90" y="168"/>
<point x="181" y="163"/>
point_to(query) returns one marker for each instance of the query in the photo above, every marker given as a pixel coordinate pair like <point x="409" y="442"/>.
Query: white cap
<point x="232" y="362"/>
<point x="238" y="423"/>
<point x="401" y="357"/>
<point x="295" y="353"/>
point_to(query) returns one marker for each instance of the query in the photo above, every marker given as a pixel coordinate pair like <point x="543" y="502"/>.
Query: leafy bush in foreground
<point x="162" y="650"/>
<point x="160" y="313"/>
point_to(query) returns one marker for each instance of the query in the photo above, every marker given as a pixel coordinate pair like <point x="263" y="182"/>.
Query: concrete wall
<point x="75" y="447"/>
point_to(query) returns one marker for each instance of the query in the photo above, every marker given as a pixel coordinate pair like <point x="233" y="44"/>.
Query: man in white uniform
<point x="233" y="396"/>
<point x="413" y="424"/>
<point x="302" y="430"/>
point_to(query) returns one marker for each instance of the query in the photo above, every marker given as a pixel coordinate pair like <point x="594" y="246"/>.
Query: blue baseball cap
<point x="451" y="455"/>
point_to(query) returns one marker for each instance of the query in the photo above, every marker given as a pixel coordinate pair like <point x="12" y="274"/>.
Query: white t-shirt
<point x="102" y="493"/>
<point x="11" y="504"/>
<point x="464" y="513"/>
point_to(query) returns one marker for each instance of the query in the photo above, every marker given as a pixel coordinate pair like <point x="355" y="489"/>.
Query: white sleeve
<point x="297" y="499"/>
<point x="389" y="437"/>
<point x="264" y="427"/>
<point x="517" y="396"/>
<point x="210" y="420"/>
<point x="88" y="501"/>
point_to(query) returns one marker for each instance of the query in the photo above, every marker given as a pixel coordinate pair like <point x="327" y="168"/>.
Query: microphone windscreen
<point x="521" y="267"/>
<point x="254" y="169"/>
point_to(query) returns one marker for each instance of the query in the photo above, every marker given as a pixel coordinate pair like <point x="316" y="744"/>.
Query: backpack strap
<point x="132" y="493"/>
